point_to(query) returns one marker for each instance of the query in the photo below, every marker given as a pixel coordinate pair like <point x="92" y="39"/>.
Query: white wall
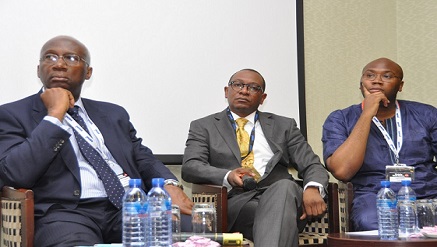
<point x="165" y="61"/>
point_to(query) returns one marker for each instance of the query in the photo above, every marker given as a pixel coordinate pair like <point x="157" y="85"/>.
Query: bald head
<point x="70" y="43"/>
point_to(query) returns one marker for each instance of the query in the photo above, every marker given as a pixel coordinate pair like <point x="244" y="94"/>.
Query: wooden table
<point x="344" y="240"/>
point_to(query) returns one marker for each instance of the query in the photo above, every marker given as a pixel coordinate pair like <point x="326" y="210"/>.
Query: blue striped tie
<point x="112" y="184"/>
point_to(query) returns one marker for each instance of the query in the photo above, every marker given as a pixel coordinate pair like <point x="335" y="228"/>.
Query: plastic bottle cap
<point x="134" y="182"/>
<point x="385" y="183"/>
<point x="157" y="182"/>
<point x="406" y="182"/>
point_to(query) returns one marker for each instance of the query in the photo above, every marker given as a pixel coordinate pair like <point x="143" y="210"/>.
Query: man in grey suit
<point x="275" y="211"/>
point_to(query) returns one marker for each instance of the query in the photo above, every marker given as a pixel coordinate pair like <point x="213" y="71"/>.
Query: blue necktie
<point x="112" y="184"/>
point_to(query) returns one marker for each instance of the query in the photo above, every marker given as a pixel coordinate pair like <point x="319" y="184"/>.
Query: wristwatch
<point x="174" y="183"/>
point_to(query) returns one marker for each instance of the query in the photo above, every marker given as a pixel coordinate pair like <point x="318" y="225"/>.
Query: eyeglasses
<point x="238" y="86"/>
<point x="69" y="59"/>
<point x="385" y="77"/>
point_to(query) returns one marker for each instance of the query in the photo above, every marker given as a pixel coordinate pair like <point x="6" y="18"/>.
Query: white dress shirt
<point x="91" y="185"/>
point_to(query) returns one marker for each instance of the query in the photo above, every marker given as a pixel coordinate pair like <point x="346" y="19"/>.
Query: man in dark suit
<point x="274" y="212"/>
<point x="38" y="150"/>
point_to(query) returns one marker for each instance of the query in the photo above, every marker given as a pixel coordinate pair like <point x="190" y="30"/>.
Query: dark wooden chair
<point x="315" y="233"/>
<point x="17" y="217"/>
<point x="345" y="196"/>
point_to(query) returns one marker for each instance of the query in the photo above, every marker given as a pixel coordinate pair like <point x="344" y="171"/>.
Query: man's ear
<point x="401" y="85"/>
<point x="263" y="97"/>
<point x="89" y="72"/>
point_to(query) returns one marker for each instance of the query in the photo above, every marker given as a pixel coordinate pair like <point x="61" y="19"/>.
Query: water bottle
<point x="387" y="212"/>
<point x="134" y="215"/>
<point x="407" y="209"/>
<point x="159" y="229"/>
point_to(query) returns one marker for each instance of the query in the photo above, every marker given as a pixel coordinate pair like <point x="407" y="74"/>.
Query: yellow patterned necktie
<point x="243" y="140"/>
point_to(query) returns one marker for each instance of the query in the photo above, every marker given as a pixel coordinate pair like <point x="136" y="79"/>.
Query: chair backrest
<point x="216" y="195"/>
<point x="346" y="195"/>
<point x="17" y="217"/>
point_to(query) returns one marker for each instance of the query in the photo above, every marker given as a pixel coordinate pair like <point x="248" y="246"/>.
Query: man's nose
<point x="377" y="80"/>
<point x="245" y="89"/>
<point x="60" y="63"/>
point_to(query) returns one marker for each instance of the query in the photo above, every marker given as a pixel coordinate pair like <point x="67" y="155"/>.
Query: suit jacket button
<point x="76" y="193"/>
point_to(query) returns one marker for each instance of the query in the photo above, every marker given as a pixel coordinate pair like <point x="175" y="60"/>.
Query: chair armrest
<point x="17" y="211"/>
<point x="333" y="208"/>
<point x="346" y="196"/>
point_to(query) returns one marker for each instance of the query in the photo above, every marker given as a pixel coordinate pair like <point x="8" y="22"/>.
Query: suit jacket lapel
<point x="268" y="125"/>
<point x="226" y="131"/>
<point x="106" y="126"/>
<point x="39" y="111"/>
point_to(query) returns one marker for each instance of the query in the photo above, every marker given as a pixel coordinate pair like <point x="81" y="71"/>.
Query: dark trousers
<point x="94" y="221"/>
<point x="271" y="218"/>
<point x="364" y="215"/>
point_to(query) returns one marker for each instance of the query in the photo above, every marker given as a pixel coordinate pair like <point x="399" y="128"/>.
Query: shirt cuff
<point x="226" y="183"/>
<point x="56" y="122"/>
<point x="315" y="184"/>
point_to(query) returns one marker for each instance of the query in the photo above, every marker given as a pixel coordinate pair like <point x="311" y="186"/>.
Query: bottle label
<point x="410" y="198"/>
<point x="136" y="207"/>
<point x="387" y="203"/>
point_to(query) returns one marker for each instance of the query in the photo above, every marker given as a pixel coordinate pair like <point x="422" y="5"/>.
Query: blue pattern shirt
<point x="419" y="148"/>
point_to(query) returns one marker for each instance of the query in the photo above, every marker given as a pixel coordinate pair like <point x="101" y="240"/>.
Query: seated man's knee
<point x="286" y="186"/>
<point x="364" y="216"/>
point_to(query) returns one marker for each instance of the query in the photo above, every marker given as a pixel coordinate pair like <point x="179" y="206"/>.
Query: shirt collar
<point x="250" y="117"/>
<point x="80" y="104"/>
